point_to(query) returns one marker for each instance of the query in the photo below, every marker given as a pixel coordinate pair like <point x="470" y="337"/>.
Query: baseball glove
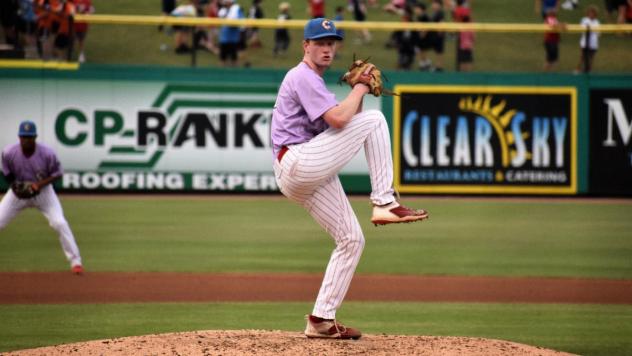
<point x="24" y="190"/>
<point x="356" y="75"/>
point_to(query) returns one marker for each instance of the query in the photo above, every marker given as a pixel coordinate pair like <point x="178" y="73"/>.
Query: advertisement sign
<point x="153" y="135"/>
<point x="485" y="139"/>
<point x="610" y="163"/>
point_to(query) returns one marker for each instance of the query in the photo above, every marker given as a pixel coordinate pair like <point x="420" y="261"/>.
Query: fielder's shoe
<point x="77" y="269"/>
<point x="394" y="213"/>
<point x="329" y="329"/>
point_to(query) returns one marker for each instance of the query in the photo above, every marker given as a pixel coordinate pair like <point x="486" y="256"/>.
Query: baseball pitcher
<point x="313" y="137"/>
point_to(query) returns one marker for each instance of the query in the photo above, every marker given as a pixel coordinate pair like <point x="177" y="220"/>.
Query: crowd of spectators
<point x="48" y="29"/>
<point x="411" y="45"/>
<point x="227" y="42"/>
<point x="45" y="29"/>
<point x="419" y="45"/>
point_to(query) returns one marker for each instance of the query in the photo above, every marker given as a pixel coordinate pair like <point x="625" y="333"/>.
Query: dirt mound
<point x="260" y="342"/>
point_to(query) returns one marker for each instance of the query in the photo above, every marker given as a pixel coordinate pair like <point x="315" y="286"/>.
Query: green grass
<point x="504" y="52"/>
<point x="494" y="237"/>
<point x="581" y="329"/>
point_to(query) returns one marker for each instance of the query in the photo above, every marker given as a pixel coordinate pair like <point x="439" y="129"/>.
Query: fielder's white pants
<point x="308" y="175"/>
<point x="48" y="203"/>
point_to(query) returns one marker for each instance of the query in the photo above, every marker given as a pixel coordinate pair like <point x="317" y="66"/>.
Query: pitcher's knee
<point x="360" y="242"/>
<point x="376" y="117"/>
<point x="375" y="112"/>
<point x="353" y="242"/>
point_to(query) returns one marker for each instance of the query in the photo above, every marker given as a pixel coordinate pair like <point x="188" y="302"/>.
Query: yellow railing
<point x="38" y="64"/>
<point x="373" y="25"/>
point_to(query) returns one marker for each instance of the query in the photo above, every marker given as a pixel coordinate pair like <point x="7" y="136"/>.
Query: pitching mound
<point x="259" y="342"/>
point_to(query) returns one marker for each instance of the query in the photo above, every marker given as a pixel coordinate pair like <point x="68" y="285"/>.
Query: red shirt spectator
<point x="317" y="8"/>
<point x="466" y="40"/>
<point x="62" y="15"/>
<point x="552" y="36"/>
<point x="83" y="7"/>
<point x="461" y="12"/>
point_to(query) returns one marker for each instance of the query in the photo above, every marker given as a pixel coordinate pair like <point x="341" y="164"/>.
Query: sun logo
<point x="499" y="119"/>
<point x="326" y="25"/>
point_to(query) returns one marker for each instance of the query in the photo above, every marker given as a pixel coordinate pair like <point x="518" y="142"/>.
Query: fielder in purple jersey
<point x="313" y="137"/>
<point x="36" y="166"/>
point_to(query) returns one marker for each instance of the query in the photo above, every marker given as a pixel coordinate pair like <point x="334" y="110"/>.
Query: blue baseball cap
<point x="27" y="129"/>
<point x="320" y="28"/>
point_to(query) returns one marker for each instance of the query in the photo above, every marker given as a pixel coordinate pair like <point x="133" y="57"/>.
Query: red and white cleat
<point x="394" y="213"/>
<point x="329" y="329"/>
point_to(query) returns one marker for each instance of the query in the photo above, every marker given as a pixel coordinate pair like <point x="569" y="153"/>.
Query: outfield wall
<point x="182" y="129"/>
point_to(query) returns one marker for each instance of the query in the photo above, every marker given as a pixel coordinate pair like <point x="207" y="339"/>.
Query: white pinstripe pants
<point x="48" y="203"/>
<point x="307" y="175"/>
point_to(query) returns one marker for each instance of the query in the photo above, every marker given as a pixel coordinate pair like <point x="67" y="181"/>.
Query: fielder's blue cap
<point x="27" y="129"/>
<point x="320" y="28"/>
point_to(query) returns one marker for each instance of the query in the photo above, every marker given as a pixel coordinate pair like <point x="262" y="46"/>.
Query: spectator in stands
<point x="617" y="10"/>
<point x="589" y="41"/>
<point x="405" y="41"/>
<point x="81" y="28"/>
<point x="465" y="48"/>
<point x="570" y="4"/>
<point x="183" y="33"/>
<point x="200" y="33"/>
<point x="628" y="12"/>
<point x="167" y="7"/>
<point x="359" y="9"/>
<point x="229" y="36"/>
<point x="543" y="6"/>
<point x="9" y="21"/>
<point x="552" y="40"/>
<point x="43" y="11"/>
<point x="211" y="10"/>
<point x="437" y="38"/>
<point x="282" y="35"/>
<point x="252" y="33"/>
<point x="461" y="9"/>
<point x="397" y="7"/>
<point x="316" y="8"/>
<point x="423" y="42"/>
<point x="27" y="24"/>
<point x="64" y="23"/>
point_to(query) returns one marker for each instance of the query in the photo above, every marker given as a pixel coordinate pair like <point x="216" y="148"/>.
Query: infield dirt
<point x="108" y="287"/>
<point x="268" y="343"/>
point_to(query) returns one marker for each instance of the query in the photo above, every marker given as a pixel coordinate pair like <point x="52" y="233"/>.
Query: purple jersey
<point x="42" y="164"/>
<point x="303" y="99"/>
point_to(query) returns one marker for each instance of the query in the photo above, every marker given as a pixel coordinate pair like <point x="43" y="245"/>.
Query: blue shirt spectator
<point x="230" y="34"/>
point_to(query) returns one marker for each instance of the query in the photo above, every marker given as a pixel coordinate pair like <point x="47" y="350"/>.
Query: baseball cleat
<point x="329" y="329"/>
<point x="77" y="269"/>
<point x="394" y="213"/>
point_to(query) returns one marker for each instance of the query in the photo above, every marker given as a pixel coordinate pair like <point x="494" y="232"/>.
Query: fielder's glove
<point x="24" y="190"/>
<point x="356" y="74"/>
